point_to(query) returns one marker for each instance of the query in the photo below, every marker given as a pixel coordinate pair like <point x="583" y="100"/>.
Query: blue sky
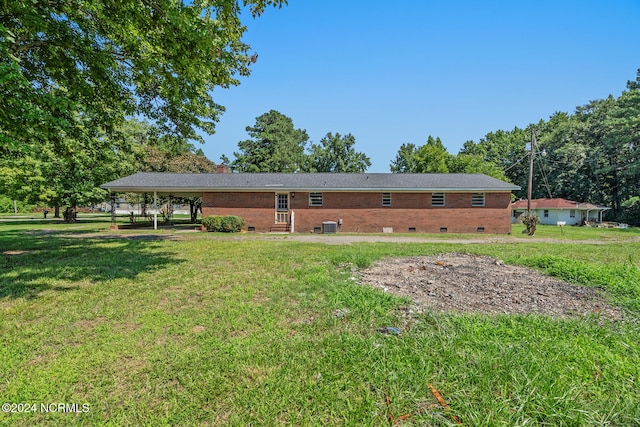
<point x="396" y="72"/>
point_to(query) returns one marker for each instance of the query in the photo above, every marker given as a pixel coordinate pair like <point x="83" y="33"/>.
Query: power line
<point x="517" y="161"/>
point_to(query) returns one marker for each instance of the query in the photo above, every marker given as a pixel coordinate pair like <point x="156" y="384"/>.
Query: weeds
<point x="621" y="281"/>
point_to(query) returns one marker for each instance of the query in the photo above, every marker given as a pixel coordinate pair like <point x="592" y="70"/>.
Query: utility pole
<point x="531" y="154"/>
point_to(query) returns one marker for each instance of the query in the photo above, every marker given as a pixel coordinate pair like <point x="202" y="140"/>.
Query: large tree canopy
<point x="336" y="153"/>
<point x="434" y="158"/>
<point x="405" y="161"/>
<point x="109" y="59"/>
<point x="275" y="146"/>
<point x="429" y="158"/>
<point x="592" y="155"/>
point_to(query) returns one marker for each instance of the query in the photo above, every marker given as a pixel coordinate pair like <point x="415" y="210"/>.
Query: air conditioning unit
<point x="329" y="227"/>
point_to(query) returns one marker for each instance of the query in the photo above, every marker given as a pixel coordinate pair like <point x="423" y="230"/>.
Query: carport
<point x="140" y="184"/>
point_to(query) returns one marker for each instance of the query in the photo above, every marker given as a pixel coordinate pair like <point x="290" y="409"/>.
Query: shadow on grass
<point x="33" y="262"/>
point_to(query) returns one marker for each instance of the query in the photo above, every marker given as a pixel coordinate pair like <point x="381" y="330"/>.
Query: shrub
<point x="212" y="222"/>
<point x="631" y="212"/>
<point x="227" y="224"/>
<point x="232" y="224"/>
<point x="6" y="205"/>
<point x="531" y="222"/>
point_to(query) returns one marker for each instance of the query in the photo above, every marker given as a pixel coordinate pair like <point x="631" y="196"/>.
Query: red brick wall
<point x="363" y="212"/>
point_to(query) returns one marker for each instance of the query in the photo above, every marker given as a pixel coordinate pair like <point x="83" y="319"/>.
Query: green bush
<point x="531" y="222"/>
<point x="6" y="205"/>
<point x="227" y="224"/>
<point x="631" y="212"/>
<point x="212" y="222"/>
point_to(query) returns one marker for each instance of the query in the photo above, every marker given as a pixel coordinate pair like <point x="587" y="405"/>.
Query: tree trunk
<point x="143" y="206"/>
<point x="56" y="211"/>
<point x="70" y="214"/>
<point x="195" y="203"/>
<point x="193" y="210"/>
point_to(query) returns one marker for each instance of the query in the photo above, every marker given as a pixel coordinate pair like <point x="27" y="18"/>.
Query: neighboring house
<point x="355" y="202"/>
<point x="554" y="211"/>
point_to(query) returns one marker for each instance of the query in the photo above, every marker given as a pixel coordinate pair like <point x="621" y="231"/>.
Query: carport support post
<point x="155" y="210"/>
<point x="113" y="208"/>
<point x="293" y="221"/>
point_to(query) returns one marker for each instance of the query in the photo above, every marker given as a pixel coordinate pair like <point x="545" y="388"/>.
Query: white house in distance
<point x="558" y="211"/>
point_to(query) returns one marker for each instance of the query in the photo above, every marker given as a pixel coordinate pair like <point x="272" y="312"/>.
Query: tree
<point x="429" y="158"/>
<point x="108" y="60"/>
<point x="602" y="125"/>
<point x="70" y="172"/>
<point x="335" y="153"/>
<point x="506" y="150"/>
<point x="634" y="84"/>
<point x="432" y="157"/>
<point x="276" y="146"/>
<point x="405" y="161"/>
<point x="71" y="72"/>
<point x="568" y="164"/>
<point x="189" y="161"/>
<point x="631" y="211"/>
<point x="467" y="163"/>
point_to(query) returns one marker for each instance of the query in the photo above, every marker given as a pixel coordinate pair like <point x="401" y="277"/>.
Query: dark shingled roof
<point x="192" y="183"/>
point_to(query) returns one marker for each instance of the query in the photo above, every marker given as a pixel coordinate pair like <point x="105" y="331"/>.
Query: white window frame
<point x="438" y="199"/>
<point x="386" y="199"/>
<point x="572" y="213"/>
<point x="478" y="199"/>
<point x="316" y="198"/>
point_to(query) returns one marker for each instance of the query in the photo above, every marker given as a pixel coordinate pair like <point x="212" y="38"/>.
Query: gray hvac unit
<point x="329" y="227"/>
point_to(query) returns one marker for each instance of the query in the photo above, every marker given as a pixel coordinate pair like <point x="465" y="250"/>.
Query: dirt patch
<point x="128" y="236"/>
<point x="473" y="283"/>
<point x="14" y="252"/>
<point x="198" y="329"/>
<point x="89" y="324"/>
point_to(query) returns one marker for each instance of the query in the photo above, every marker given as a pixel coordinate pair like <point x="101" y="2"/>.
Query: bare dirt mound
<point x="474" y="283"/>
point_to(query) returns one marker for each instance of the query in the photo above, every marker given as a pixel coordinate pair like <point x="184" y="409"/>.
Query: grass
<point x="206" y="330"/>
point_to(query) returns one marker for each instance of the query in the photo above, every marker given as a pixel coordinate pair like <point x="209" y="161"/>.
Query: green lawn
<point x="197" y="329"/>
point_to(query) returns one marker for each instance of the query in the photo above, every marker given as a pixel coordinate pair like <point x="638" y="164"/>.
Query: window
<point x="283" y="202"/>
<point x="437" y="199"/>
<point x="546" y="213"/>
<point x="386" y="199"/>
<point x="315" y="199"/>
<point x="572" y="213"/>
<point x="477" y="199"/>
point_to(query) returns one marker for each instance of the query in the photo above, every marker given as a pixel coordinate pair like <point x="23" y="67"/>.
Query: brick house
<point x="355" y="202"/>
